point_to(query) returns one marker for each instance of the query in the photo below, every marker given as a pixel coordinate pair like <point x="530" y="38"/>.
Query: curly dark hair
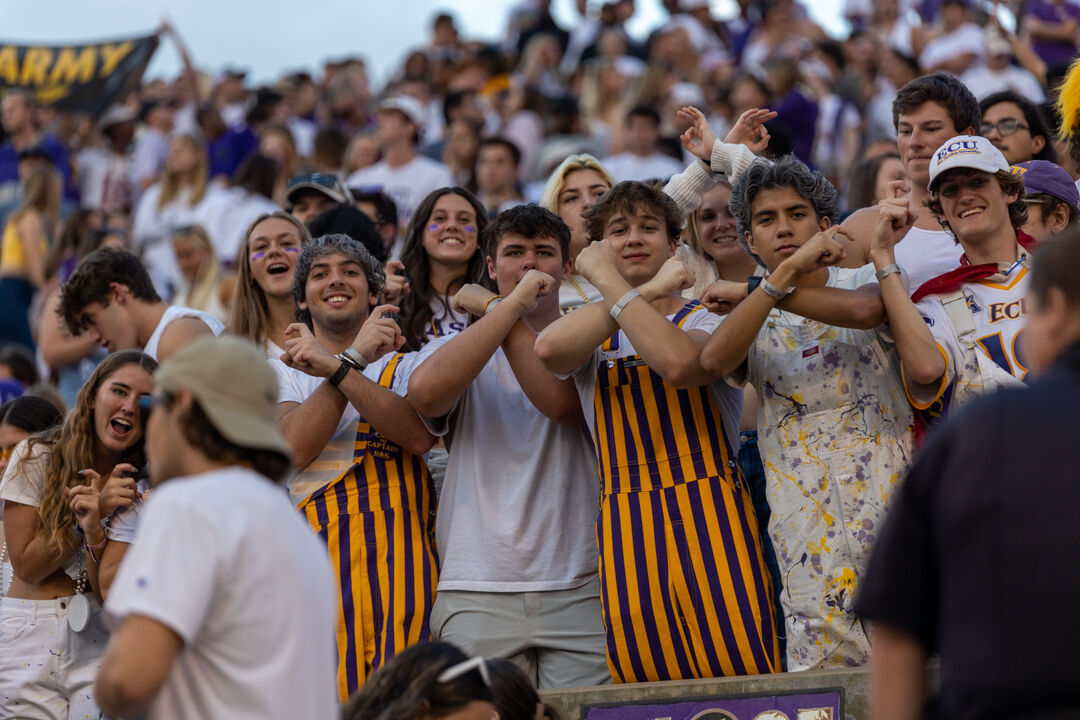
<point x="1008" y="182"/>
<point x="92" y="278"/>
<point x="330" y="245"/>
<point x="946" y="90"/>
<point x="416" y="307"/>
<point x="631" y="197"/>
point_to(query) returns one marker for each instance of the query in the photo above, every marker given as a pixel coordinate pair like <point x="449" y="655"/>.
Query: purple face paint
<point x="433" y="227"/>
<point x="470" y="228"/>
<point x="292" y="249"/>
<point x="258" y="255"/>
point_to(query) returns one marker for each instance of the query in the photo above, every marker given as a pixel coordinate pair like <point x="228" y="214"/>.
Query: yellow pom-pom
<point x="1068" y="105"/>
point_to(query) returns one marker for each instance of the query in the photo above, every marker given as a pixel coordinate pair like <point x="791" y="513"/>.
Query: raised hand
<point x="749" y="130"/>
<point x="533" y="286"/>
<point x="85" y="503"/>
<point x="894" y="219"/>
<point x="397" y="283"/>
<point x="595" y="260"/>
<point x="672" y="277"/>
<point x="378" y="335"/>
<point x="823" y="249"/>
<point x="723" y="295"/>
<point x="306" y="354"/>
<point x="118" y="490"/>
<point x="699" y="137"/>
<point x="472" y="298"/>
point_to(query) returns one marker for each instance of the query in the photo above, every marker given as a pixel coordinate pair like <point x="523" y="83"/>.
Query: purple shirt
<point x="1053" y="52"/>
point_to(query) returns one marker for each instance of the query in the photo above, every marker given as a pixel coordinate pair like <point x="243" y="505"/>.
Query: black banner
<point x="85" y="78"/>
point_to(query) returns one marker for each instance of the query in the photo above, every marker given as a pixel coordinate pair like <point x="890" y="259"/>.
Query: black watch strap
<point x="752" y="283"/>
<point x="342" y="371"/>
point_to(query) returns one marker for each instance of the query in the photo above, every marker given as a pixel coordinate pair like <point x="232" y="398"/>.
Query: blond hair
<point x="171" y="183"/>
<point x="207" y="281"/>
<point x="557" y="180"/>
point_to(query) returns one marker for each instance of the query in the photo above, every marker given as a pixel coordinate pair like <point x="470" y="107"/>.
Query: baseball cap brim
<point x="332" y="193"/>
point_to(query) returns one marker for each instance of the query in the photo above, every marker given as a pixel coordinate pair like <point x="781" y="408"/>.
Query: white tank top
<point x="925" y="254"/>
<point x="175" y="312"/>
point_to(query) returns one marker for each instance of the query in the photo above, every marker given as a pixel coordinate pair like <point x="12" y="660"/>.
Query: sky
<point x="271" y="37"/>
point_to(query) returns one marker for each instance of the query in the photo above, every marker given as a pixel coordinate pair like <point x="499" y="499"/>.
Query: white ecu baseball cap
<point x="966" y="151"/>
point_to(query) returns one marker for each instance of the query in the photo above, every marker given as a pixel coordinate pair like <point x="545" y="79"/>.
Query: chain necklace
<point x="580" y="292"/>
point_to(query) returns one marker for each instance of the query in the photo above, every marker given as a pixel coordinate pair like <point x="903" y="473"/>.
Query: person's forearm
<point x="569" y="342"/>
<point x="664" y="347"/>
<point x="442" y="378"/>
<point x="556" y="399"/>
<point x="919" y="354"/>
<point x="730" y="343"/>
<point x="857" y="309"/>
<point x="389" y="413"/>
<point x="309" y="426"/>
<point x="729" y="161"/>
<point x="111" y="558"/>
<point x="897" y="675"/>
<point x="1049" y="31"/>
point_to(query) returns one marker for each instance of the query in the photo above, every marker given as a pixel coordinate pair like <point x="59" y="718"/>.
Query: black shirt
<point x="979" y="559"/>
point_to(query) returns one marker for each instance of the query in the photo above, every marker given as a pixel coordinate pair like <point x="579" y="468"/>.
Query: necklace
<point x="580" y="292"/>
<point x="78" y="615"/>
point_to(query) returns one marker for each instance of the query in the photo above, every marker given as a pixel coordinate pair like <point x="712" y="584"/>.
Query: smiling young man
<point x="834" y="426"/>
<point x="515" y="528"/>
<point x="224" y="604"/>
<point x="974" y="312"/>
<point x="112" y="297"/>
<point x="926" y="112"/>
<point x="358" y="445"/>
<point x="686" y="592"/>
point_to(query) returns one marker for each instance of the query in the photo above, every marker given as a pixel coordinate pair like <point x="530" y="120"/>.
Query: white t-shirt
<point x="728" y="399"/>
<point x="24" y="483"/>
<point x="964" y="40"/>
<point x="627" y="166"/>
<point x="407" y="185"/>
<point x="443" y="323"/>
<point x="125" y="522"/>
<point x="296" y="386"/>
<point x="173" y="313"/>
<point x="521" y="493"/>
<point x="576" y="291"/>
<point x="224" y="560"/>
<point x="925" y="254"/>
<point x="998" y="308"/>
<point x="982" y="81"/>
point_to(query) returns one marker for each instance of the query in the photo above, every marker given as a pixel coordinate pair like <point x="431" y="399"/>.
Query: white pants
<point x="47" y="670"/>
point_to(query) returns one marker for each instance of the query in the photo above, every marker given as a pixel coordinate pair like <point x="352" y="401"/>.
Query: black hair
<point x="501" y="142"/>
<point x="515" y="696"/>
<point x="347" y="220"/>
<point x="644" y="111"/>
<point x="385" y="207"/>
<point x="30" y="414"/>
<point x="91" y="280"/>
<point x="529" y="221"/>
<point x="20" y="362"/>
<point x="1033" y="118"/>
<point x="946" y="90"/>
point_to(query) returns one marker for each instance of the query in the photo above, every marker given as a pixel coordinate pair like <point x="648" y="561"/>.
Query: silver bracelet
<point x="617" y="309"/>
<point x="774" y="291"/>
<point x="887" y="271"/>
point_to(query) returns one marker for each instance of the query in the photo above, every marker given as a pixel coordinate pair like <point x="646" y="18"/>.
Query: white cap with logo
<point x="966" y="151"/>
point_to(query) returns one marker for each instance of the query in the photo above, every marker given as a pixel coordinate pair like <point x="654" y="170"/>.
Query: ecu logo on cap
<point x="961" y="147"/>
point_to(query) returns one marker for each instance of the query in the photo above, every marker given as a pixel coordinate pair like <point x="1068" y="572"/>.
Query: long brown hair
<point x="41" y="191"/>
<point x="72" y="450"/>
<point x="170" y="182"/>
<point x="416" y="307"/>
<point x="249" y="315"/>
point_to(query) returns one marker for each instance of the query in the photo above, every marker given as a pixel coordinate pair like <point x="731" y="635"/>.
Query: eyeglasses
<point x="473" y="663"/>
<point x="1004" y="127"/>
<point x="147" y="403"/>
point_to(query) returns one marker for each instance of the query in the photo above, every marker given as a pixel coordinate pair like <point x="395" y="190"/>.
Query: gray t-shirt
<point x="521" y="495"/>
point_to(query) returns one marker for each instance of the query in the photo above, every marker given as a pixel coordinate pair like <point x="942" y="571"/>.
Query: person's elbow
<point x="867" y="315"/>
<point x="924" y="369"/>
<point x="420" y="442"/>
<point x="424" y="396"/>
<point x="684" y="372"/>
<point x="715" y="363"/>
<point x="547" y="349"/>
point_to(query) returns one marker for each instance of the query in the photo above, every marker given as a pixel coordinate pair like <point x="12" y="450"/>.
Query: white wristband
<point x="617" y="309"/>
<point x="774" y="291"/>
<point x="887" y="271"/>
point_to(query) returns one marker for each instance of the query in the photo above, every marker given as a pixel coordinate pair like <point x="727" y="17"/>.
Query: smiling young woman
<point x="56" y="623"/>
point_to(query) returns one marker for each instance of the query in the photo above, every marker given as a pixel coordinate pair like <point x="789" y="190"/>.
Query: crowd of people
<point x="607" y="358"/>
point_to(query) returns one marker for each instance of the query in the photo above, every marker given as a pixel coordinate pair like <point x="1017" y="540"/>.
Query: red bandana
<point x="955" y="279"/>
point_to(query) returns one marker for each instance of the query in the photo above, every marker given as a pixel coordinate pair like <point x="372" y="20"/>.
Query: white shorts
<point x="47" y="670"/>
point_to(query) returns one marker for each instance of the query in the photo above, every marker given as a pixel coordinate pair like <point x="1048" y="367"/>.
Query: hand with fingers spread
<point x="379" y="334"/>
<point x="894" y="220"/>
<point x="397" y="283"/>
<point x="118" y="490"/>
<point x="306" y="354"/>
<point x="722" y="296"/>
<point x="532" y="286"/>
<point x="823" y="249"/>
<point x="672" y="277"/>
<point x="472" y="298"/>
<point x="699" y="137"/>
<point x="749" y="130"/>
<point x="595" y="261"/>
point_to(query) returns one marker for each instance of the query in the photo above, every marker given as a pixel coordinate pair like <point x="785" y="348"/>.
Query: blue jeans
<point x="754" y="474"/>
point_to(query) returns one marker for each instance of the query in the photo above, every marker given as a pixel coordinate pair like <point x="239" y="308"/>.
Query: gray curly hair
<point x="787" y="172"/>
<point x="330" y="245"/>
